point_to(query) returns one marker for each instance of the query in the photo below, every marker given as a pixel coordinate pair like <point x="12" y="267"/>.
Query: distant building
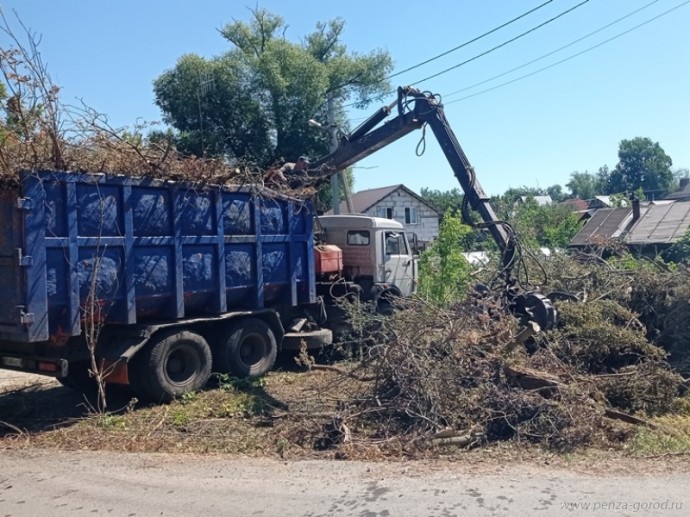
<point x="578" y="206"/>
<point x="539" y="200"/>
<point x="398" y="202"/>
<point x="604" y="225"/>
<point x="683" y="192"/>
<point x="661" y="224"/>
<point x="604" y="202"/>
<point x="648" y="227"/>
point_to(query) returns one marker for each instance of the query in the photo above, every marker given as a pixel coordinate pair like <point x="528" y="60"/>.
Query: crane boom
<point x="415" y="109"/>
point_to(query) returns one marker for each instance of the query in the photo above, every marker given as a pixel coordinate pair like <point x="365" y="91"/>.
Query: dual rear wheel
<point x="246" y="349"/>
<point x="176" y="361"/>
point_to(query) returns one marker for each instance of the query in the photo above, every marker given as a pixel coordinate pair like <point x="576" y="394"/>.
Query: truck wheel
<point x="174" y="363"/>
<point x="247" y="349"/>
<point x="385" y="304"/>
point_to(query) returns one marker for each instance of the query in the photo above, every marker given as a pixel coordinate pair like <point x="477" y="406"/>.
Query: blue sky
<point x="535" y="131"/>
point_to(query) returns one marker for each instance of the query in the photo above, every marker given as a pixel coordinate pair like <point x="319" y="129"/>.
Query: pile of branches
<point x="657" y="294"/>
<point x="39" y="132"/>
<point x="469" y="374"/>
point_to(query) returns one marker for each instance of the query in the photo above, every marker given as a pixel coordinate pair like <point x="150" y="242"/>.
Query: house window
<point x="386" y="213"/>
<point x="358" y="238"/>
<point x="411" y="216"/>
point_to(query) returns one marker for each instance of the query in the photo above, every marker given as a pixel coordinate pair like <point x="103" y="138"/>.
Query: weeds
<point x="671" y="437"/>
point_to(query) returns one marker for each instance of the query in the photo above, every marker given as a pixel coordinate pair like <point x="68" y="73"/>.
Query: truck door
<point x="398" y="262"/>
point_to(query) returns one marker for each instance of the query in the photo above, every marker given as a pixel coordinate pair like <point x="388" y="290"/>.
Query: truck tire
<point x="385" y="304"/>
<point x="247" y="349"/>
<point x="172" y="364"/>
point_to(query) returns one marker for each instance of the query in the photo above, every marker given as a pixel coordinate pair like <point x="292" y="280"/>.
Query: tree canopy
<point x="642" y="164"/>
<point x="253" y="102"/>
<point x="585" y="185"/>
<point x="443" y="201"/>
<point x="550" y="226"/>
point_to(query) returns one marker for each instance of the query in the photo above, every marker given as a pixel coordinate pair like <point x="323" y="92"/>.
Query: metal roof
<point x="661" y="224"/>
<point x="605" y="223"/>
<point x="539" y="200"/>
<point x="575" y="204"/>
<point x="683" y="191"/>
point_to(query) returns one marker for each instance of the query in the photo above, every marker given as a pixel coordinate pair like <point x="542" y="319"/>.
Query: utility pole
<point x="340" y="175"/>
<point x="335" y="187"/>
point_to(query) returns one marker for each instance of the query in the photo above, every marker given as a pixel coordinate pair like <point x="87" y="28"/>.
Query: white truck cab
<point x="374" y="249"/>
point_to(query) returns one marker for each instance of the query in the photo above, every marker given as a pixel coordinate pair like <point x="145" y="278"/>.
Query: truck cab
<point x="375" y="252"/>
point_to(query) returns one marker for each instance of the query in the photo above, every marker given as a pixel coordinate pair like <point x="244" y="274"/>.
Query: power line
<point x="552" y="52"/>
<point x="504" y="43"/>
<point x="573" y="56"/>
<point x="468" y="42"/>
<point x="488" y="51"/>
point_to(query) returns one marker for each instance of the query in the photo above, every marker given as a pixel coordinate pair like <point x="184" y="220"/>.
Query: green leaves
<point x="550" y="226"/>
<point x="443" y="270"/>
<point x="642" y="164"/>
<point x="253" y="102"/>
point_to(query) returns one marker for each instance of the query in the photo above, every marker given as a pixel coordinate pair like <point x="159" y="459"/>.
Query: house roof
<point x="365" y="199"/>
<point x="606" y="201"/>
<point x="683" y="192"/>
<point x="575" y="204"/>
<point x="539" y="200"/>
<point x="661" y="223"/>
<point x="605" y="223"/>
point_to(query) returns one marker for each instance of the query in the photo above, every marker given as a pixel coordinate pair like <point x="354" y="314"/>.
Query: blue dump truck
<point x="159" y="283"/>
<point x="156" y="284"/>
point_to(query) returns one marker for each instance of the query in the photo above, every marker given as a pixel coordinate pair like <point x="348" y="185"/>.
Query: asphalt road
<point x="57" y="484"/>
<point x="14" y="380"/>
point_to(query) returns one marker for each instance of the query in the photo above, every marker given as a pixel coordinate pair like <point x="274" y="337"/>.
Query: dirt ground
<point x="30" y="405"/>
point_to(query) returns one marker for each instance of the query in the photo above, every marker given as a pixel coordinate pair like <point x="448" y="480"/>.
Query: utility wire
<point x="468" y="42"/>
<point x="487" y="51"/>
<point x="503" y="44"/>
<point x="552" y="52"/>
<point x="574" y="55"/>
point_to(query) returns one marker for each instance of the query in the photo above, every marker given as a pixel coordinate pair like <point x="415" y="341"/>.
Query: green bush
<point x="443" y="270"/>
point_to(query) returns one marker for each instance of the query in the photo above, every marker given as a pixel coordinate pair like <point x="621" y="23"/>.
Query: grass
<point x="235" y="416"/>
<point x="672" y="437"/>
<point x="283" y="415"/>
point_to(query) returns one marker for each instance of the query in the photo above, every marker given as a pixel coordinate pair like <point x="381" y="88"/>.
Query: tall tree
<point x="556" y="193"/>
<point x="642" y="164"/>
<point x="549" y="226"/>
<point x="253" y="102"/>
<point x="443" y="200"/>
<point x="681" y="174"/>
<point x="584" y="185"/>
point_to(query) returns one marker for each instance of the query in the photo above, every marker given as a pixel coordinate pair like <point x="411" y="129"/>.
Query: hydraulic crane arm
<point x="414" y="110"/>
